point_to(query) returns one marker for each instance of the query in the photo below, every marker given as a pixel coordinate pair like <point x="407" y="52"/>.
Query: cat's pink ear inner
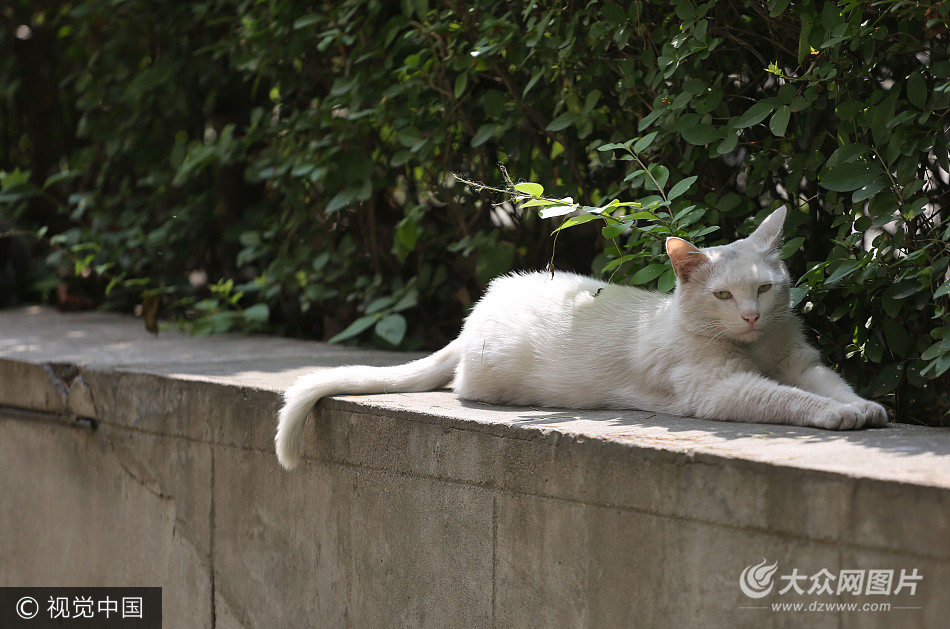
<point x="685" y="257"/>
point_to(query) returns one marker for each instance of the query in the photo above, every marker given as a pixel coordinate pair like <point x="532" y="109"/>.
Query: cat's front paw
<point x="840" y="417"/>
<point x="875" y="415"/>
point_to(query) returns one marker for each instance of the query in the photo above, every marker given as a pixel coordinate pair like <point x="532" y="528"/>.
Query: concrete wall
<point x="423" y="511"/>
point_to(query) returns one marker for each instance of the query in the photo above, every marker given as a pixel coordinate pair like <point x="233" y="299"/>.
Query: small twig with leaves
<point x="655" y="216"/>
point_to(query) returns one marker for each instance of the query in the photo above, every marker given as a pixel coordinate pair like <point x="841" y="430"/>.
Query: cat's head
<point x="736" y="291"/>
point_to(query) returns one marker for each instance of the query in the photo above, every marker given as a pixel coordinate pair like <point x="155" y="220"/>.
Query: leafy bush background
<point x="287" y="166"/>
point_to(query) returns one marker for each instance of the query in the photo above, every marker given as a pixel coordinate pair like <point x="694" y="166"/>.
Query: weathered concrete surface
<point x="420" y="510"/>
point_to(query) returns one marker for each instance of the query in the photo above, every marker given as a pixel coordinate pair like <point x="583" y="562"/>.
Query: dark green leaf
<point x="392" y="328"/>
<point x="777" y="7"/>
<point x="790" y="247"/>
<point x="849" y="176"/>
<point x="873" y="348"/>
<point x="562" y="122"/>
<point x="649" y="119"/>
<point x="754" y="115"/>
<point x="307" y="20"/>
<point x="938" y="348"/>
<point x="461" y="82"/>
<point x="870" y="190"/>
<point x="888" y="379"/>
<point x="667" y="281"/>
<point x="636" y="216"/>
<point x="339" y="201"/>
<point x="493" y="102"/>
<point x="699" y="233"/>
<point x="847" y="153"/>
<point x="729" y="144"/>
<point x="701" y="134"/>
<point x="532" y="81"/>
<point x="846" y="268"/>
<point x="591" y="101"/>
<point x="407" y="234"/>
<point x="380" y="303"/>
<point x="355" y="328"/>
<point x="937" y="367"/>
<point x="484" y="134"/>
<point x="18" y="192"/>
<point x="643" y="143"/>
<point x="660" y="174"/>
<point x="896" y="338"/>
<point x="892" y="298"/>
<point x="52" y="180"/>
<point x="617" y="262"/>
<point x="779" y="122"/>
<point x="257" y="314"/>
<point x="798" y="294"/>
<point x="848" y="109"/>
<point x="680" y="187"/>
<point x="614" y="229"/>
<point x="648" y="273"/>
<point x="917" y="90"/>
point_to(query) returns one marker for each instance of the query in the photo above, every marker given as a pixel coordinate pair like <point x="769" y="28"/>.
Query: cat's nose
<point x="751" y="318"/>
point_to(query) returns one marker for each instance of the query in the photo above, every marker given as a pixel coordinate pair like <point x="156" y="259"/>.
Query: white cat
<point x="725" y="345"/>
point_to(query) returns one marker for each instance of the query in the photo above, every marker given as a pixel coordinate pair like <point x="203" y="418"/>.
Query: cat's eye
<point x="722" y="294"/>
<point x="764" y="288"/>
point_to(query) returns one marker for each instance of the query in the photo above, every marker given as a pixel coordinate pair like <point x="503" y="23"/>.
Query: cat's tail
<point x="425" y="374"/>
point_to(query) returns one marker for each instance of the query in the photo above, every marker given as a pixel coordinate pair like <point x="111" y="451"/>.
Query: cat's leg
<point x="823" y="381"/>
<point x="750" y="397"/>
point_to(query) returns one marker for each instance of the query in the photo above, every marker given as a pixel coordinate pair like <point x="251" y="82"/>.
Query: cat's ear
<point x="685" y="257"/>
<point x="768" y="235"/>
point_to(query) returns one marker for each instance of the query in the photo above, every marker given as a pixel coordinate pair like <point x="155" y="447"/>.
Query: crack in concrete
<point x="66" y="420"/>
<point x="211" y="543"/>
<point x="149" y="483"/>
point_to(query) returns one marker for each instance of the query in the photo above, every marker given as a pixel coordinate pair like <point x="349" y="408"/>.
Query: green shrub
<point x="288" y="167"/>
